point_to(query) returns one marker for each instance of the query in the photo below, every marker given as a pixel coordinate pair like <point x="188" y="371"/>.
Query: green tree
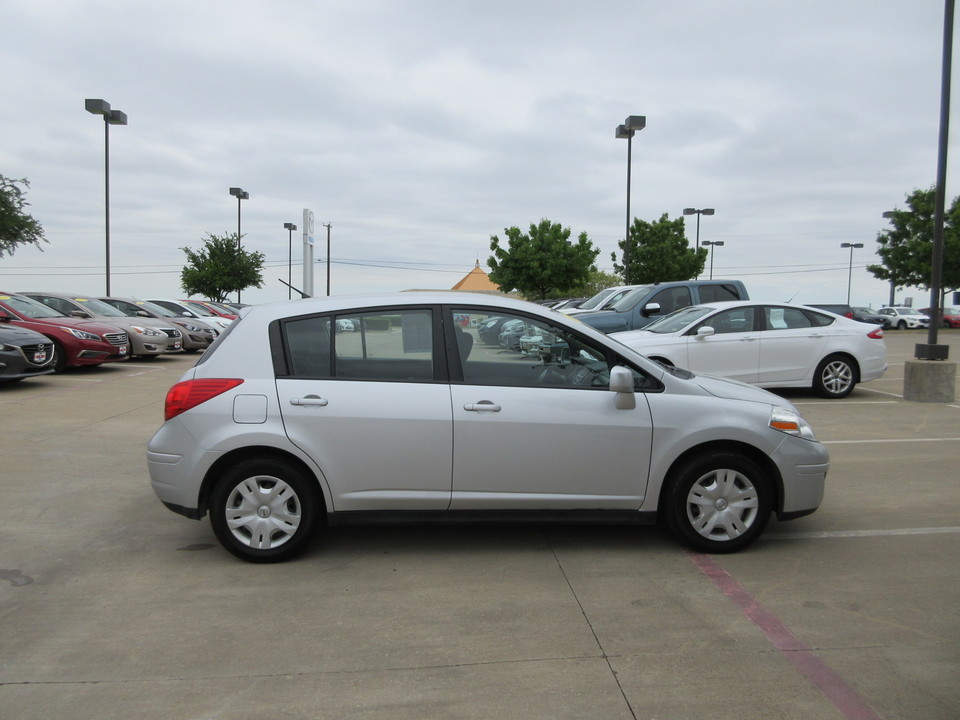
<point x="906" y="247"/>
<point x="16" y="226"/>
<point x="220" y="268"/>
<point x="541" y="261"/>
<point x="660" y="252"/>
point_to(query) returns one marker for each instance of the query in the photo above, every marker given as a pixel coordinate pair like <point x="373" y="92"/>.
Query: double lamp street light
<point x="240" y="194"/>
<point x="110" y="117"/>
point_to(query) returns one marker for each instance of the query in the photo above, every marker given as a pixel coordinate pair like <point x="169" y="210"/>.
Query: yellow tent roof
<point x="476" y="281"/>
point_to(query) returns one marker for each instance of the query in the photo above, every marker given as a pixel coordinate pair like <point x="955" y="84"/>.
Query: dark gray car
<point x="24" y="353"/>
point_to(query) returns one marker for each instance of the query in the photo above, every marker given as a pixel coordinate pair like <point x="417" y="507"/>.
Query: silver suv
<point x="290" y="421"/>
<point x="903" y="318"/>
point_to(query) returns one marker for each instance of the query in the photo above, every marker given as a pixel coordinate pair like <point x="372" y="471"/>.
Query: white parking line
<point x="888" y="440"/>
<point x="861" y="533"/>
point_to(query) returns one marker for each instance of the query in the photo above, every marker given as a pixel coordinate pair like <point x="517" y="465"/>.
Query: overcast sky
<point x="420" y="128"/>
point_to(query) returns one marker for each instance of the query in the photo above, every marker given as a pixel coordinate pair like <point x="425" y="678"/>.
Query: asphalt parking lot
<point x="114" y="607"/>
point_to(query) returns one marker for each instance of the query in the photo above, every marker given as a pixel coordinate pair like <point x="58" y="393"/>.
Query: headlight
<point x="82" y="334"/>
<point x="191" y="328"/>
<point x="789" y="422"/>
<point x="140" y="330"/>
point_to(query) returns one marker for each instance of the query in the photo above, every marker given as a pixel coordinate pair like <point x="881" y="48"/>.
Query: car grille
<point x="172" y="332"/>
<point x="116" y="339"/>
<point x="30" y="352"/>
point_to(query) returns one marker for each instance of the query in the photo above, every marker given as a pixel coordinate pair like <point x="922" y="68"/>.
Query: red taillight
<point x="876" y="334"/>
<point x="190" y="393"/>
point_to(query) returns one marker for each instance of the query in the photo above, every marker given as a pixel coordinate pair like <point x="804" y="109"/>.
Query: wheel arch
<point x="216" y="470"/>
<point x="760" y="458"/>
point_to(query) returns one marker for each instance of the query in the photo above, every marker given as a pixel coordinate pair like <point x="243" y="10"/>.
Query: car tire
<point x="835" y="377"/>
<point x="718" y="503"/>
<point x="59" y="357"/>
<point x="265" y="510"/>
<point x="902" y="325"/>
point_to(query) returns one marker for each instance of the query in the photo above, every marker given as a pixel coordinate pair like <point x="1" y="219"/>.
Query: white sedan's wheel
<point x="835" y="377"/>
<point x="264" y="510"/>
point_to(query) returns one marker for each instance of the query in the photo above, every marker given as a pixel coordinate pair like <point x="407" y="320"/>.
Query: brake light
<point x="190" y="393"/>
<point x="876" y="334"/>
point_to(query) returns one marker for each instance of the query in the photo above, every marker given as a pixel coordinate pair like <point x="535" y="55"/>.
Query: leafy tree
<point x="660" y="252"/>
<point x="541" y="261"/>
<point x="220" y="268"/>
<point x="906" y="247"/>
<point x="16" y="226"/>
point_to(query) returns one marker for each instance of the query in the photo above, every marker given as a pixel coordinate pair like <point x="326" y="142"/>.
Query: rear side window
<point x="719" y="293"/>
<point x="377" y="346"/>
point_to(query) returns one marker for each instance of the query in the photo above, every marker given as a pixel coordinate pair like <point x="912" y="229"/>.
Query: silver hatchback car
<point x="290" y="421"/>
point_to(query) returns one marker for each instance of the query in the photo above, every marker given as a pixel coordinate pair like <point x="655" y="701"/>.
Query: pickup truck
<point x="644" y="304"/>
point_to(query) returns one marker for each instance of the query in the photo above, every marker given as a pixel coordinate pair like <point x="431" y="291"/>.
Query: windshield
<point x="99" y="307"/>
<point x="630" y="300"/>
<point x="596" y="299"/>
<point x="199" y="309"/>
<point x="155" y="309"/>
<point x="28" y="307"/>
<point x="678" y="320"/>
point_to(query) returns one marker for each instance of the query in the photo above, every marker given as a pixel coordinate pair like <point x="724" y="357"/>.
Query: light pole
<point x="328" y="226"/>
<point x="715" y="244"/>
<point x="698" y="213"/>
<point x="850" y="269"/>
<point x="110" y="117"/>
<point x="290" y="227"/>
<point x="627" y="130"/>
<point x="240" y="194"/>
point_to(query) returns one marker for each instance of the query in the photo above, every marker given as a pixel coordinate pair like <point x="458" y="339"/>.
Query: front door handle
<point x="311" y="400"/>
<point x="482" y="406"/>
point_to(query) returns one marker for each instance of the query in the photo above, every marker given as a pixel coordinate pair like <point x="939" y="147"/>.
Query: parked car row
<point x="44" y="332"/>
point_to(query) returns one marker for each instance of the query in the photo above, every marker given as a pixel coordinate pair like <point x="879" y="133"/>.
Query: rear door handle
<point x="311" y="400"/>
<point x="482" y="406"/>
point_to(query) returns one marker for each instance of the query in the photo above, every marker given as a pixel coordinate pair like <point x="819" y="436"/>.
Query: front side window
<point x="736" y="320"/>
<point x="670" y="299"/>
<point x="528" y="352"/>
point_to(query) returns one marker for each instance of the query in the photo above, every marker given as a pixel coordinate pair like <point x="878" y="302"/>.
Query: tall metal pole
<point x="936" y="264"/>
<point x="626" y="235"/>
<point x="106" y="176"/>
<point x="238" y="239"/>
<point x="328" y="226"/>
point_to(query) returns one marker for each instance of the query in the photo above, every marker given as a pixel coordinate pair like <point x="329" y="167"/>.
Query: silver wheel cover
<point x="722" y="505"/>
<point x="263" y="512"/>
<point x="837" y="376"/>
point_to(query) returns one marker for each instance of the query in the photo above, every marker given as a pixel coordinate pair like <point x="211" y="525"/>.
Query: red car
<point x="78" y="342"/>
<point x="951" y="316"/>
<point x="215" y="308"/>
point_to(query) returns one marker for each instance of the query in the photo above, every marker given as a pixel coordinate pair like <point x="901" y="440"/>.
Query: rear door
<point x="791" y="344"/>
<point x="369" y="406"/>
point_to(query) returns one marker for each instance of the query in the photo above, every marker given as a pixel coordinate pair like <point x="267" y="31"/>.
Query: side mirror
<point x="143" y="313"/>
<point x="651" y="309"/>
<point x="705" y="331"/>
<point x="4" y="317"/>
<point x="79" y="314"/>
<point x="621" y="382"/>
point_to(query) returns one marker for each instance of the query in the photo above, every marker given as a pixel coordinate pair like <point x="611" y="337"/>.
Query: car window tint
<point x="780" y="318"/>
<point x="308" y="347"/>
<point x="719" y="293"/>
<point x="528" y="352"/>
<point x="730" y="321"/>
<point x="671" y="299"/>
<point x="395" y="346"/>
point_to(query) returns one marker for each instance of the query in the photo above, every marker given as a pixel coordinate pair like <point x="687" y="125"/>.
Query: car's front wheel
<point x="902" y="325"/>
<point x="718" y="503"/>
<point x="265" y="510"/>
<point x="835" y="377"/>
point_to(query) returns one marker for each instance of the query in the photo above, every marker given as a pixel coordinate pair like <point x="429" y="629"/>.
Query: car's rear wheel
<point x="265" y="510"/>
<point x="835" y="377"/>
<point x="718" y="503"/>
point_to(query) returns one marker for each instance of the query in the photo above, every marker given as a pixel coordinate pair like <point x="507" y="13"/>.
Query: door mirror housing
<point x="621" y="382"/>
<point x="705" y="331"/>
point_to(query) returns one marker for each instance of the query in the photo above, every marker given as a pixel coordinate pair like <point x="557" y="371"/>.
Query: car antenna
<point x="792" y="297"/>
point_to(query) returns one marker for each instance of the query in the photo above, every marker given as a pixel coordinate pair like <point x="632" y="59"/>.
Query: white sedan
<point x="766" y="344"/>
